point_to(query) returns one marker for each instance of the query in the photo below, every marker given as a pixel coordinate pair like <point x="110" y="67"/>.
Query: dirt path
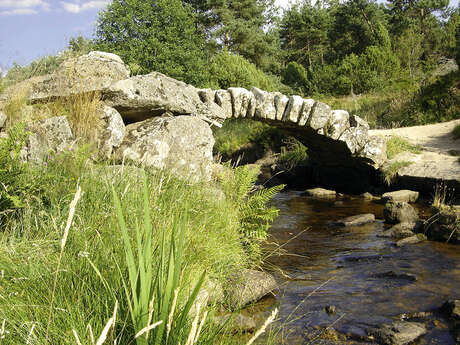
<point x="439" y="159"/>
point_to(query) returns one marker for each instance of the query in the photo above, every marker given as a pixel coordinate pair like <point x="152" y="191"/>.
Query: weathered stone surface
<point x="411" y="240"/>
<point x="400" y="231"/>
<point x="401" y="195"/>
<point x="306" y="111"/>
<point x="375" y="149"/>
<point x="249" y="286"/>
<point x="321" y="193"/>
<point x="320" y="116"/>
<point x="113" y="131"/>
<point x="356" y="136"/>
<point x="48" y="136"/>
<point x="281" y="102"/>
<point x="293" y="109"/>
<point x="91" y="72"/>
<point x="339" y="123"/>
<point x="181" y="144"/>
<point x="265" y="108"/>
<point x="224" y="100"/>
<point x="2" y="120"/>
<point x="243" y="102"/>
<point x="398" y="333"/>
<point x="399" y="212"/>
<point x="359" y="219"/>
<point x="368" y="196"/>
<point x="144" y="96"/>
<point x="210" y="293"/>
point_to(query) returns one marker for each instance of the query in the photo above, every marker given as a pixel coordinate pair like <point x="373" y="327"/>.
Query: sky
<point x="33" y="28"/>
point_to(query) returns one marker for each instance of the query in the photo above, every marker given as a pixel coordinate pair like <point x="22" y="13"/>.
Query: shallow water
<point x="347" y="268"/>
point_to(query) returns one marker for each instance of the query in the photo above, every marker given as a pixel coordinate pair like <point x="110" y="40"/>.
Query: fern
<point x="254" y="214"/>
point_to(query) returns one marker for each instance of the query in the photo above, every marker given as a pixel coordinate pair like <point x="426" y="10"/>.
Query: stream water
<point x="366" y="278"/>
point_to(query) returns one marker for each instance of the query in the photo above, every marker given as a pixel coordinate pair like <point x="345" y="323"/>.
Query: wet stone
<point x="321" y="193"/>
<point x="359" y="219"/>
<point x="401" y="195"/>
<point x="398" y="333"/>
<point x="411" y="240"/>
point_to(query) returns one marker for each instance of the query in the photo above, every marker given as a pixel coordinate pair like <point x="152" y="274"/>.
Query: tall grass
<point x="398" y="145"/>
<point x="189" y="226"/>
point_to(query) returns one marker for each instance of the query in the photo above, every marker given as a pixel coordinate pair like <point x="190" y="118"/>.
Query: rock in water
<point x="321" y="193"/>
<point x="181" y="144"/>
<point x="399" y="212"/>
<point x="359" y="219"/>
<point x="398" y="333"/>
<point x="401" y="195"/>
<point x="249" y="286"/>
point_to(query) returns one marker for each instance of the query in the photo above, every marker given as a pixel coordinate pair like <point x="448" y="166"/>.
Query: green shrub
<point x="456" y="132"/>
<point x="295" y="76"/>
<point x="232" y="70"/>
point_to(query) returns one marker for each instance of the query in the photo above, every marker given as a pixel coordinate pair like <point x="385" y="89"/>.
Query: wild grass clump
<point x="456" y="132"/>
<point x="398" y="145"/>
<point x="191" y="232"/>
<point x="293" y="154"/>
<point x="391" y="171"/>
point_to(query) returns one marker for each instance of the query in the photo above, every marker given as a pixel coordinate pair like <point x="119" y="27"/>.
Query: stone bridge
<point x="335" y="139"/>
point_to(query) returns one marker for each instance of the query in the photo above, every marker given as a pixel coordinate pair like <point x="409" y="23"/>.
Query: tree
<point x="157" y="35"/>
<point x="240" y="26"/>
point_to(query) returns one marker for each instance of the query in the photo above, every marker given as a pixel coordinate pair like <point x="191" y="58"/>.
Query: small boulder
<point x="401" y="231"/>
<point x="411" y="240"/>
<point x="87" y="73"/>
<point x="48" y="136"/>
<point x="3" y="119"/>
<point x="452" y="309"/>
<point x="359" y="219"/>
<point x="444" y="226"/>
<point x="368" y="196"/>
<point x="321" y="193"/>
<point x="181" y="144"/>
<point x="399" y="212"/>
<point x="248" y="286"/>
<point x="398" y="333"/>
<point x="401" y="195"/>
<point x="113" y="131"/>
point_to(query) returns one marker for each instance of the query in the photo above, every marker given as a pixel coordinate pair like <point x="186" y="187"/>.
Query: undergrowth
<point x="219" y="236"/>
<point x="398" y="145"/>
<point x="391" y="171"/>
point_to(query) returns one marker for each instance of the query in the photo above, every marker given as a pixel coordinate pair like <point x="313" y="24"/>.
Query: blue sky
<point x="33" y="28"/>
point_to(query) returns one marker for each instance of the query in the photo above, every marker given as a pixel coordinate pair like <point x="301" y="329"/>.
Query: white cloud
<point x="18" y="11"/>
<point x="77" y="7"/>
<point x="22" y="7"/>
<point x="23" y="3"/>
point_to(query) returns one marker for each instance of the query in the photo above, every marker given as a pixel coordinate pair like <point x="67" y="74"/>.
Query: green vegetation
<point x="102" y="261"/>
<point x="397" y="145"/>
<point x="391" y="171"/>
<point x="456" y="132"/>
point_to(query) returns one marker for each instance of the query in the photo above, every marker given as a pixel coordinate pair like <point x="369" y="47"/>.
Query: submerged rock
<point x="359" y="219"/>
<point x="321" y="193"/>
<point x="401" y="195"/>
<point x="401" y="230"/>
<point x="398" y="333"/>
<point x="399" y="212"/>
<point x="248" y="286"/>
<point x="411" y="240"/>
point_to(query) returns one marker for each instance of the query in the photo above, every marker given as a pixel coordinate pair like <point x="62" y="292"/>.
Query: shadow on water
<point x="366" y="278"/>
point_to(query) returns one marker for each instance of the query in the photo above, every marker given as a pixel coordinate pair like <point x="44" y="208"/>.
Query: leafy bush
<point x="232" y="70"/>
<point x="295" y="76"/>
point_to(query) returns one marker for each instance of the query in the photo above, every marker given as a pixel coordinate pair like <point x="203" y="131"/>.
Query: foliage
<point x="295" y="76"/>
<point x="456" y="132"/>
<point x="231" y="70"/>
<point x="159" y="36"/>
<point x="397" y="145"/>
<point x="293" y="154"/>
<point x="391" y="171"/>
<point x="153" y="294"/>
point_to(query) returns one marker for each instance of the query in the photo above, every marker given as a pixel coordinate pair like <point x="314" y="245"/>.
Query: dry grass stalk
<point x="148" y="329"/>
<point x="171" y="314"/>
<point x="192" y="334"/>
<point x="73" y="205"/>
<point x="267" y="322"/>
